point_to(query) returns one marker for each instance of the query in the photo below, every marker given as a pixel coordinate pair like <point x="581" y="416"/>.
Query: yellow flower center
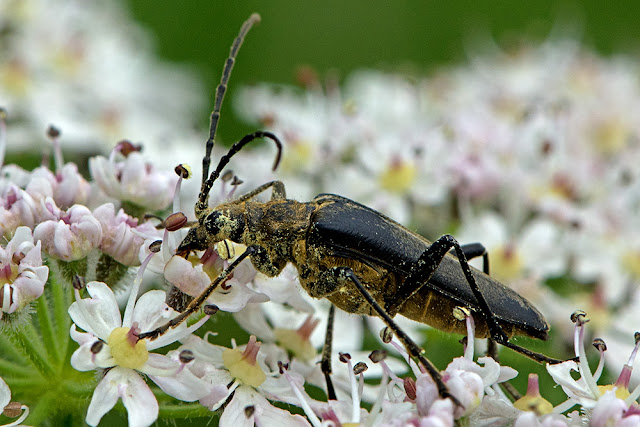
<point x="506" y="263"/>
<point x="242" y="368"/>
<point x="8" y="275"/>
<point x="298" y="154"/>
<point x="126" y="350"/>
<point x="611" y="136"/>
<point x="290" y="339"/>
<point x="398" y="177"/>
<point x="631" y="262"/>
<point x="537" y="404"/>
<point x="621" y="392"/>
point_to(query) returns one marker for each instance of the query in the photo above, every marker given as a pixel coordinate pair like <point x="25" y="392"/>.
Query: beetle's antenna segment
<point x="201" y="205"/>
<point x="220" y="91"/>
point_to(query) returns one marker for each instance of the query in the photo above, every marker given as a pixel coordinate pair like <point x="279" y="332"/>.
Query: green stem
<point x="29" y="341"/>
<point x="81" y="387"/>
<point x="189" y="410"/>
<point x="12" y="369"/>
<point x="47" y="329"/>
<point x="61" y="301"/>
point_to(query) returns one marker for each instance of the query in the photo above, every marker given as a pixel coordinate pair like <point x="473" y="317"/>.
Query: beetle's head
<point x="213" y="227"/>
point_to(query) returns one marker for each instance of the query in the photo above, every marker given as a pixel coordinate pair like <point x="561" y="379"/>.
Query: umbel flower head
<point x="533" y="153"/>
<point x="22" y="273"/>
<point x="110" y="344"/>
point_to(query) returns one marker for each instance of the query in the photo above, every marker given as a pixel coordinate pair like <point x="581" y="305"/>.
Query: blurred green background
<point x="341" y="36"/>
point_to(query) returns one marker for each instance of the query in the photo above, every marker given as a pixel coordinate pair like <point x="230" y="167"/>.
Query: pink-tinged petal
<point x="218" y="395"/>
<point x="20" y="237"/>
<point x="69" y="235"/>
<point x="608" y="411"/>
<point x="141" y="404"/>
<point x="205" y="351"/>
<point x="468" y="388"/>
<point x="183" y="385"/>
<point x="41" y="183"/>
<point x="193" y="280"/>
<point x="527" y="419"/>
<point x="264" y="412"/>
<point x="426" y="394"/>
<point x="494" y="410"/>
<point x="71" y="187"/>
<point x="134" y="180"/>
<point x="160" y="365"/>
<point x="183" y="275"/>
<point x="28" y="287"/>
<point x="122" y="237"/>
<point x="440" y="414"/>
<point x="104" y="398"/>
<point x="137" y="397"/>
<point x="574" y="389"/>
<point x="102" y="172"/>
<point x="80" y="337"/>
<point x="236" y="298"/>
<point x="83" y="359"/>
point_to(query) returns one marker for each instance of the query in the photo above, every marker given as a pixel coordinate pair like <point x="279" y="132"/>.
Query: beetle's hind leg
<point x="428" y="263"/>
<point x="472" y="251"/>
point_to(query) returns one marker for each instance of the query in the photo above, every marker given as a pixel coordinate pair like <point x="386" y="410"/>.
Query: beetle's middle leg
<point x="197" y="302"/>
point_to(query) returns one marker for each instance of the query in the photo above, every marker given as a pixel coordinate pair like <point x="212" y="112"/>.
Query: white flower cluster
<point x="533" y="153"/>
<point x="79" y="65"/>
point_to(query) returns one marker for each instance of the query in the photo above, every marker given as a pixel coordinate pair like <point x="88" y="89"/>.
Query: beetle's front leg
<point x="265" y="264"/>
<point x="278" y="192"/>
<point x="197" y="302"/>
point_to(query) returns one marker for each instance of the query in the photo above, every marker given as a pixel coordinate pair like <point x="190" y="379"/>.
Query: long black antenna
<point x="220" y="91"/>
<point x="202" y="202"/>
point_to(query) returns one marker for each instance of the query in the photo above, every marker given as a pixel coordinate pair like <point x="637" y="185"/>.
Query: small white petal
<point x="184" y="385"/>
<point x="99" y="314"/>
<point x="137" y="397"/>
<point x="149" y="310"/>
<point x="5" y="394"/>
<point x="268" y="414"/>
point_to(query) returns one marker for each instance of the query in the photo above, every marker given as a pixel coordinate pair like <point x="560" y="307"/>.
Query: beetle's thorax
<point x="275" y="223"/>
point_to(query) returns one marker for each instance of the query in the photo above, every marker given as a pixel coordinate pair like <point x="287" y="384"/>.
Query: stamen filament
<point x="313" y="418"/>
<point x="585" y="371"/>
<point x="377" y="406"/>
<point x="127" y="318"/>
<point x="471" y="328"/>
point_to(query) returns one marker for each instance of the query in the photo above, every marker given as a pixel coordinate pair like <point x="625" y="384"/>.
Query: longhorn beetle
<point x="357" y="258"/>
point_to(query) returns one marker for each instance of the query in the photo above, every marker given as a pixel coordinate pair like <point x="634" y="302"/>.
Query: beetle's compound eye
<point x="211" y="223"/>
